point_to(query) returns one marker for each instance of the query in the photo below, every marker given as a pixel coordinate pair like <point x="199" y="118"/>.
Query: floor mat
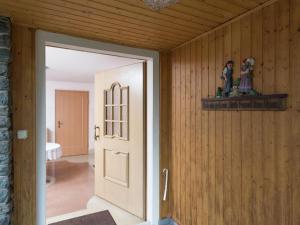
<point x="99" y="218"/>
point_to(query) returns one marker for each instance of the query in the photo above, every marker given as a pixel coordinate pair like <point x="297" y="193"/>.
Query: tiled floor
<point x="72" y="188"/>
<point x="97" y="204"/>
<point x="71" y="192"/>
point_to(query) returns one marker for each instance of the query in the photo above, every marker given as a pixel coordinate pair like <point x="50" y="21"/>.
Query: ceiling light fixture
<point x="159" y="4"/>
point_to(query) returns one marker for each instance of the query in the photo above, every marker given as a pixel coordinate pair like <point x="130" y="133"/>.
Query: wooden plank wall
<point x="23" y="99"/>
<point x="237" y="168"/>
<point x="165" y="123"/>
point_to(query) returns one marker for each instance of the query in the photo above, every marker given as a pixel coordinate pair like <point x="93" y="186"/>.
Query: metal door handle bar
<point x="166" y="175"/>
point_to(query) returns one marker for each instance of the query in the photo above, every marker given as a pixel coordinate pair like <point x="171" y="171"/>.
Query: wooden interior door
<point x="120" y="149"/>
<point x="71" y="121"/>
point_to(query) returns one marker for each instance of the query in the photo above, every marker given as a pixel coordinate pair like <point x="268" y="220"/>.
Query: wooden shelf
<point x="274" y="102"/>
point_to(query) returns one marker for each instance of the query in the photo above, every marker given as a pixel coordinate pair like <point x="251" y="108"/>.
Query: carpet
<point x="99" y="218"/>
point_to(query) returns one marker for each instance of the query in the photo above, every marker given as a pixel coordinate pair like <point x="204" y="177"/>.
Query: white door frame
<point x="59" y="40"/>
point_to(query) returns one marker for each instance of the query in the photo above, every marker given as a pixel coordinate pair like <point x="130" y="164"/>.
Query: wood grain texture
<point x="294" y="216"/>
<point x="247" y="163"/>
<point x="24" y="151"/>
<point x="167" y="85"/>
<point x="126" y="22"/>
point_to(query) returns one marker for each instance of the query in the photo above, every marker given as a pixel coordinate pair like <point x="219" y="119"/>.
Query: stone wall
<point x="5" y="123"/>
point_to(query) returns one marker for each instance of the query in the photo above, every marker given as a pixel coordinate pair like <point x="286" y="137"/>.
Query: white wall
<point x="51" y="86"/>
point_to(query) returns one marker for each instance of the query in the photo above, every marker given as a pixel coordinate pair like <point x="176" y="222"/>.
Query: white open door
<point x="120" y="137"/>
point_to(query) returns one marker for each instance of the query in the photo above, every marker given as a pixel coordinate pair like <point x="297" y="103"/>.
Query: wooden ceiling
<point x="128" y="22"/>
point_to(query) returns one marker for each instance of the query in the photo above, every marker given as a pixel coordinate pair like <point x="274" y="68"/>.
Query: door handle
<point x="97" y="134"/>
<point x="59" y="123"/>
<point x="166" y="175"/>
<point x="116" y="153"/>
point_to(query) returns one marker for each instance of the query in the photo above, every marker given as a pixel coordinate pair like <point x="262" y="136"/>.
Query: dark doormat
<point x="99" y="218"/>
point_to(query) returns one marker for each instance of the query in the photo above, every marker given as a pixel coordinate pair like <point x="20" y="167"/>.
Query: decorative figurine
<point x="235" y="89"/>
<point x="228" y="78"/>
<point x="219" y="92"/>
<point x="253" y="92"/>
<point x="247" y="68"/>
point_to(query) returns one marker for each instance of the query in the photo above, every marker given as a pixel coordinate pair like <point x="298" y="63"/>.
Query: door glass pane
<point x="125" y="96"/>
<point x="116" y="95"/>
<point x="116" y="113"/>
<point x="108" y="99"/>
<point x="109" y="128"/>
<point x="108" y="113"/>
<point x="117" y="129"/>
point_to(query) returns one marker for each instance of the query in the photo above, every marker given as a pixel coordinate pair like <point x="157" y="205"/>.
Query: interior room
<point x="70" y="130"/>
<point x="203" y="130"/>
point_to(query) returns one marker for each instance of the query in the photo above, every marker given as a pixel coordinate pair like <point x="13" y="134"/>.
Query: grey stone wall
<point x="5" y="123"/>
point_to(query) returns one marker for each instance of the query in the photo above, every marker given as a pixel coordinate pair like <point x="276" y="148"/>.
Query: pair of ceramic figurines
<point x="242" y="85"/>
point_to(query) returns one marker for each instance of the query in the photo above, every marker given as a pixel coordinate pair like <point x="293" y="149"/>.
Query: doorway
<point x="113" y="160"/>
<point x="45" y="38"/>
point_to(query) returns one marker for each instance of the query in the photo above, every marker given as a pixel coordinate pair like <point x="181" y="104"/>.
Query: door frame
<point x="44" y="39"/>
<point x="88" y="114"/>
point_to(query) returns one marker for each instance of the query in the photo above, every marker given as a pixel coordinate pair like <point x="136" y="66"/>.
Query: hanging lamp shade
<point x="159" y="4"/>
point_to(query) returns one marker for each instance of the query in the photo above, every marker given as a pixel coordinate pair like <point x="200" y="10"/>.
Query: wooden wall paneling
<point x="217" y="11"/>
<point x="23" y="99"/>
<point x="211" y="130"/>
<point x="295" y="98"/>
<point x="165" y="107"/>
<point x="60" y="25"/>
<point x="73" y="12"/>
<point x="199" y="195"/>
<point x="172" y="164"/>
<point x="236" y="131"/>
<point x="282" y="195"/>
<point x="268" y="117"/>
<point x="142" y="27"/>
<point x="194" y="104"/>
<point x="257" y="137"/>
<point x="183" y="134"/>
<point x="40" y="17"/>
<point x="205" y="131"/>
<point x="174" y="16"/>
<point x="247" y="161"/>
<point x="227" y="212"/>
<point x="187" y="191"/>
<point x="178" y="136"/>
<point x="143" y="13"/>
<point x="246" y="134"/>
<point x="219" y="132"/>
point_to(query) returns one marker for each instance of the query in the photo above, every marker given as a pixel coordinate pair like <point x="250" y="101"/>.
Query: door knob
<point x="59" y="123"/>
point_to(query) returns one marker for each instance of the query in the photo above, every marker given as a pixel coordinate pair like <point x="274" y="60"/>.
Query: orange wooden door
<point x="71" y="118"/>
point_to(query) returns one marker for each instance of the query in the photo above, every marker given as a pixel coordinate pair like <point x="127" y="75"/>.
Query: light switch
<point x="22" y="134"/>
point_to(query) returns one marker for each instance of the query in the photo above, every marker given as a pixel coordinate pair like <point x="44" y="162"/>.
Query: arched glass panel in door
<point x="116" y="102"/>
